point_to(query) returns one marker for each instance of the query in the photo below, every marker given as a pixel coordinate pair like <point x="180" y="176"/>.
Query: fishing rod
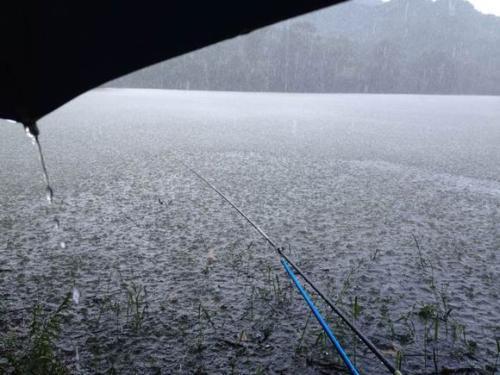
<point x="390" y="367"/>
<point x="305" y="295"/>
<point x="352" y="369"/>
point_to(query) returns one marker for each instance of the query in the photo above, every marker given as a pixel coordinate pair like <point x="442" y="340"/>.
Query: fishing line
<point x="279" y="250"/>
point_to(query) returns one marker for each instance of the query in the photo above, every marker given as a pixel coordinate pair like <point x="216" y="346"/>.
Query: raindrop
<point x="77" y="359"/>
<point x="62" y="245"/>
<point x="49" y="194"/>
<point x="57" y="223"/>
<point x="76" y="296"/>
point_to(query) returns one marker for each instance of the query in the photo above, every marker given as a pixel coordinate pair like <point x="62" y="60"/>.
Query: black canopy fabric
<point x="55" y="50"/>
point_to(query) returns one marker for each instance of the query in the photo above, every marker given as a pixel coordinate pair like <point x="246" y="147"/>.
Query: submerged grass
<point x="427" y="336"/>
<point x="37" y="353"/>
<point x="136" y="305"/>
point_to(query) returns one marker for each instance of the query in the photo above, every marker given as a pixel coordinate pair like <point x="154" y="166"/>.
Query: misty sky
<point x="485" y="6"/>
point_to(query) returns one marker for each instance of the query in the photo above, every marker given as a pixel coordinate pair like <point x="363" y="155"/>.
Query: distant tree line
<point x="402" y="46"/>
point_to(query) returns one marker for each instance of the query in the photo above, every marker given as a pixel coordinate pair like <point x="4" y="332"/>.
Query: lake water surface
<point x="348" y="184"/>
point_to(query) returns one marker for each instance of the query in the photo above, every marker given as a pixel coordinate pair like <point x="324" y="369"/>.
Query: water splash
<point x="33" y="133"/>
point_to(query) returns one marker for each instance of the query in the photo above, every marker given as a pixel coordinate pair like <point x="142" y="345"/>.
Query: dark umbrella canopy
<point x="55" y="50"/>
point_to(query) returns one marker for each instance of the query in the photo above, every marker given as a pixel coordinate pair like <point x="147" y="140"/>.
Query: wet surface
<point x="165" y="277"/>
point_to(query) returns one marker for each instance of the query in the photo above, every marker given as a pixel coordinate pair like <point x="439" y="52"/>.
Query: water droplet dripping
<point x="32" y="131"/>
<point x="76" y="296"/>
<point x="62" y="245"/>
<point x="30" y="135"/>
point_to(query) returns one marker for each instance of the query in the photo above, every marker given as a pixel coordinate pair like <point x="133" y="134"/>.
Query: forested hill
<point x="400" y="46"/>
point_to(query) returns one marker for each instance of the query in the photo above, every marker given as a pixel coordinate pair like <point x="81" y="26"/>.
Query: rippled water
<point x="348" y="183"/>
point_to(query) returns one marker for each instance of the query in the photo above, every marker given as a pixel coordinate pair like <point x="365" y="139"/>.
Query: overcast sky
<point x="487" y="6"/>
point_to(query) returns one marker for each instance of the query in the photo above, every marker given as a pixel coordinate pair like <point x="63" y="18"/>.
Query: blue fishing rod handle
<point x="352" y="369"/>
